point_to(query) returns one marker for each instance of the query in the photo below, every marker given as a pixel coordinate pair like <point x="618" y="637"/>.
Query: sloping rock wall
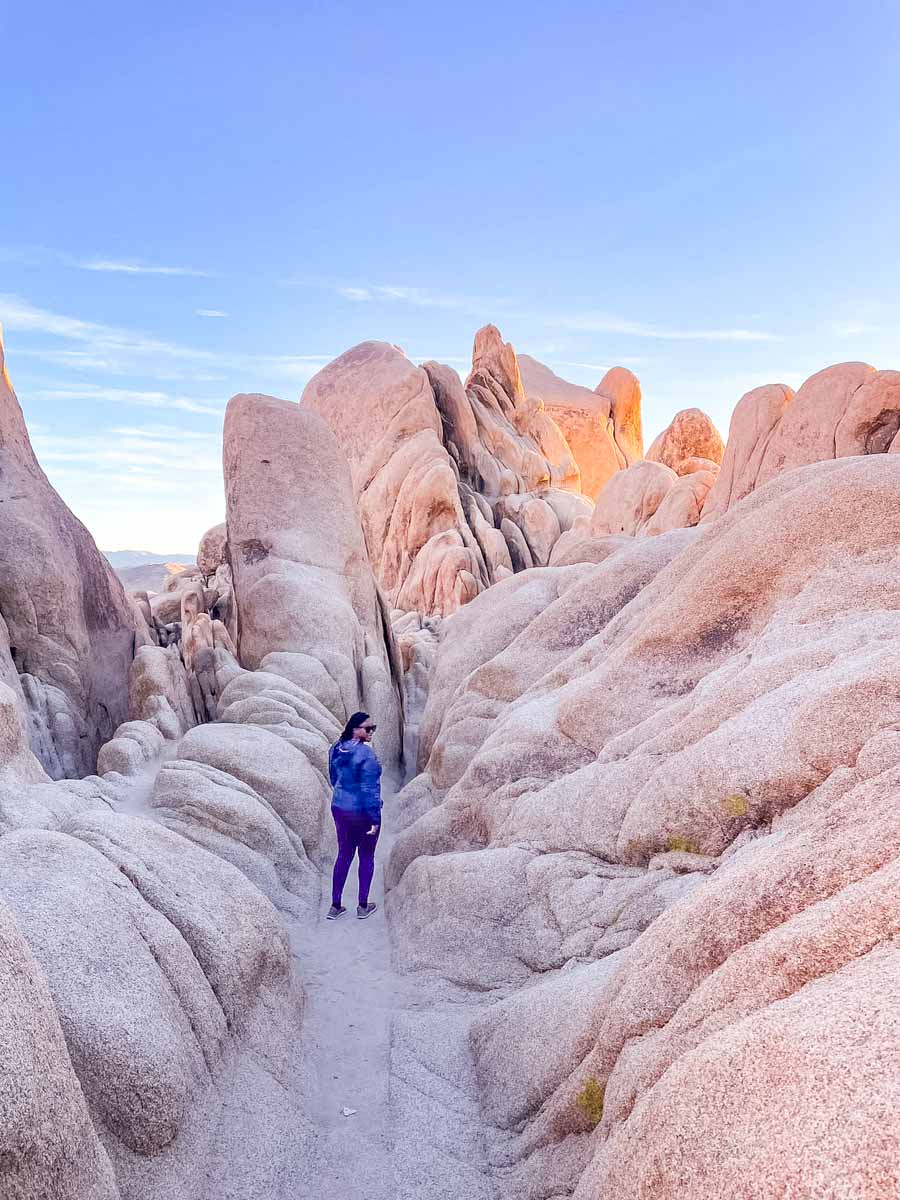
<point x="456" y="486"/>
<point x="69" y="629"/>
<point x="658" y="792"/>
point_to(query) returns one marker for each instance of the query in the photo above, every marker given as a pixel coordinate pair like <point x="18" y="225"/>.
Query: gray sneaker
<point x="334" y="912"/>
<point x="365" y="910"/>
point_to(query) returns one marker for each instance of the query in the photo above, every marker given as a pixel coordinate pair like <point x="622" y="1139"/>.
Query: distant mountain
<point x="121" y="559"/>
<point x="148" y="577"/>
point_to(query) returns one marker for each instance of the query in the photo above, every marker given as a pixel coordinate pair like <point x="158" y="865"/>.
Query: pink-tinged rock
<point x="540" y="383"/>
<point x="690" y="465"/>
<point x="71" y="628"/>
<point x="382" y="411"/>
<point x="753" y="424"/>
<point x="690" y="435"/>
<point x="682" y="505"/>
<point x="725" y="694"/>
<point x="48" y="1146"/>
<point x="623" y="390"/>
<point x="631" y="498"/>
<point x="495" y="357"/>
<point x="807" y="430"/>
<point x="871" y="419"/>
<point x="845" y="410"/>
<point x="302" y="578"/>
<point x="213" y="550"/>
<point x="520" y="448"/>
<point x="589" y="433"/>
<point x="583" y="417"/>
<point x="432" y="461"/>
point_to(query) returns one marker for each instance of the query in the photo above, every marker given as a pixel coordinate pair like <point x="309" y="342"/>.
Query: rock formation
<point x="151" y="1012"/>
<point x="644" y="887"/>
<point x="623" y="390"/>
<point x="67" y="630"/>
<point x="302" y="579"/>
<point x="449" y="480"/>
<point x="689" y="442"/>
<point x="848" y="409"/>
<point x="692" y="739"/>
<point x="602" y="428"/>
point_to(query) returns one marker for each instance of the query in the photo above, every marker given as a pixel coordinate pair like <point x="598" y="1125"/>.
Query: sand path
<point x="416" y="1130"/>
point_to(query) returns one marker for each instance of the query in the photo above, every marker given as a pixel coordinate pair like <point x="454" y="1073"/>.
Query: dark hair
<point x="358" y="718"/>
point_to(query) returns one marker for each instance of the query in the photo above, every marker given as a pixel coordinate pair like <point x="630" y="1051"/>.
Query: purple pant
<point x="353" y="839"/>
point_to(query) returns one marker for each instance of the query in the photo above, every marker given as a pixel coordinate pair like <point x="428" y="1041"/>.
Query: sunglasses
<point x="370" y="728"/>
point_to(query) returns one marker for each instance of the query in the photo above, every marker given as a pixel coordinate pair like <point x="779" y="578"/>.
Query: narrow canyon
<point x="638" y="710"/>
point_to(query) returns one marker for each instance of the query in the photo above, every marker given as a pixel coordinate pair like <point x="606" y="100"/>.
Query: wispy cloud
<point x="355" y="293"/>
<point x="128" y="396"/>
<point x="131" y="267"/>
<point x="501" y="308"/>
<point x="37" y="255"/>
<point x="209" y="312"/>
<point x="120" y="351"/>
<point x="21" y="315"/>
<point x="602" y="323"/>
<point x="420" y="297"/>
<point x="114" y="362"/>
<point x="136" y="452"/>
<point x="853" y="328"/>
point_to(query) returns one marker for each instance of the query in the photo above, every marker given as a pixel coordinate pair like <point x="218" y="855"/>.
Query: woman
<point x="356" y="807"/>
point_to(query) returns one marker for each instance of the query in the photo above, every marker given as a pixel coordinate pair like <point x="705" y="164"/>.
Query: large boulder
<point x="302" y="578"/>
<point x="381" y="409"/>
<point x="845" y="410"/>
<point x="161" y="960"/>
<point x="213" y="550"/>
<point x="631" y="499"/>
<point x="689" y="436"/>
<point x="584" y="417"/>
<point x="623" y="390"/>
<point x="70" y="627"/>
<point x="49" y="1150"/>
<point x="683" y="758"/>
<point x="432" y="460"/>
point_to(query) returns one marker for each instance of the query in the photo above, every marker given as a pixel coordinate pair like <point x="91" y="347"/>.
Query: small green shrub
<point x="676" y="842"/>
<point x="590" y="1101"/>
<point x="736" y="805"/>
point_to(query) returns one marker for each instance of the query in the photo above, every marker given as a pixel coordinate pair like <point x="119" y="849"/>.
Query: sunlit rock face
<point x="659" y="790"/>
<point x="67" y="630"/>
<point x="457" y="486"/>
<point x="847" y="409"/>
<point x="302" y="579"/>
<point x="690" y="442"/>
<point x="623" y="390"/>
<point x="587" y="422"/>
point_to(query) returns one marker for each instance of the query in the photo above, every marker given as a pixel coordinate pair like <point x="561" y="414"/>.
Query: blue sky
<point x="706" y="193"/>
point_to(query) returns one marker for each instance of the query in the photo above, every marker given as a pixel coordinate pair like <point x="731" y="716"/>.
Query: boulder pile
<point x="644" y="887"/>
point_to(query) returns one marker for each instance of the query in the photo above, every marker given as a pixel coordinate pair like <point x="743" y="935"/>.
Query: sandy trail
<point x="361" y="1030"/>
<point x="352" y="994"/>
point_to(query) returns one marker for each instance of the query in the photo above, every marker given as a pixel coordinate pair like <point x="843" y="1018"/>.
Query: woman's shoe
<point x="365" y="910"/>
<point x="334" y="912"/>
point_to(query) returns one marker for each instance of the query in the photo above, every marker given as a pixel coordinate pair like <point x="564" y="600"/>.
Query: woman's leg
<point x="366" y="848"/>
<point x="346" y="848"/>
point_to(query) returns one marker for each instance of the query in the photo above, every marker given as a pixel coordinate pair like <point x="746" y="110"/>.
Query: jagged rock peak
<point x="498" y="358"/>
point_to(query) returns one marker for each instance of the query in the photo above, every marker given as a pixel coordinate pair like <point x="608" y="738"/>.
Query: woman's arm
<point x="370" y="786"/>
<point x="332" y="770"/>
